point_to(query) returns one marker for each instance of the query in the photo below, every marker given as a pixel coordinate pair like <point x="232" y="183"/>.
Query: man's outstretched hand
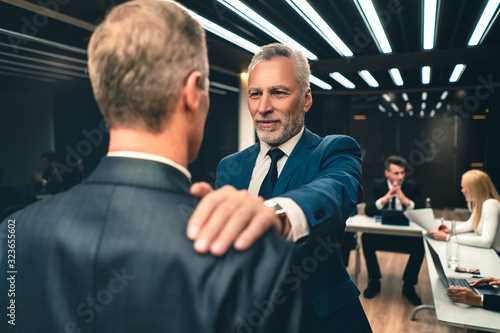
<point x="227" y="216"/>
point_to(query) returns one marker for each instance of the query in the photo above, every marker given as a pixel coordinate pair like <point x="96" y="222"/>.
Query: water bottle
<point x="453" y="249"/>
<point x="427" y="202"/>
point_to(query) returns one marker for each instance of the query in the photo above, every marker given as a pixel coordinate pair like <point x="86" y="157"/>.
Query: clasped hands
<point x="395" y="191"/>
<point x="226" y="217"/>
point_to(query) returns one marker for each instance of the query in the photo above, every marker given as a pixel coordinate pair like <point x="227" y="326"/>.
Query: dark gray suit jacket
<point x="111" y="255"/>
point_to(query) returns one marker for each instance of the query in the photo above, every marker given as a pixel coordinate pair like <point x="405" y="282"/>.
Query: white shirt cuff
<point x="378" y="204"/>
<point x="411" y="206"/>
<point x="298" y="220"/>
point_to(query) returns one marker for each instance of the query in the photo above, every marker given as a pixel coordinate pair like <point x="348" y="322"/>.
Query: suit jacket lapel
<point x="247" y="163"/>
<point x="298" y="156"/>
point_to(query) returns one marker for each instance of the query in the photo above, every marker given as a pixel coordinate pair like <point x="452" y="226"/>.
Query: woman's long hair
<point x="480" y="188"/>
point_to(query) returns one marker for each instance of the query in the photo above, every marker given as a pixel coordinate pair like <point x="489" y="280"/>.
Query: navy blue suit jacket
<point x="111" y="255"/>
<point x="323" y="176"/>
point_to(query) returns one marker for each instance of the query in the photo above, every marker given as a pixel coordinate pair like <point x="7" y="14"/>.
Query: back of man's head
<point x="139" y="58"/>
<point x="396" y="160"/>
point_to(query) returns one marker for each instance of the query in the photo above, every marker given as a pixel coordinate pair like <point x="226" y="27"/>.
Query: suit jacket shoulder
<point x="117" y="248"/>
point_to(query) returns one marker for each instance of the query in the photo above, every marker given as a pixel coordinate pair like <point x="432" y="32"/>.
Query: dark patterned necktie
<point x="267" y="187"/>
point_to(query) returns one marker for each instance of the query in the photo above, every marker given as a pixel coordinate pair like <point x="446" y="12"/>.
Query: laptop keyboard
<point x="459" y="282"/>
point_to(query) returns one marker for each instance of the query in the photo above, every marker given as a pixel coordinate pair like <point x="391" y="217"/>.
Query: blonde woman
<point x="481" y="229"/>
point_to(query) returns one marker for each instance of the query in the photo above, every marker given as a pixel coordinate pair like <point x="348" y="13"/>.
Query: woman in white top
<point x="481" y="229"/>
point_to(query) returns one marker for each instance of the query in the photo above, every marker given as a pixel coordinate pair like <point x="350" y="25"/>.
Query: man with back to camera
<point x="111" y="254"/>
<point x="393" y="192"/>
<point x="313" y="183"/>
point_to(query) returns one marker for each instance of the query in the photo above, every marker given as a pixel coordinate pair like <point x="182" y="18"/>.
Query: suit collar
<point x="139" y="172"/>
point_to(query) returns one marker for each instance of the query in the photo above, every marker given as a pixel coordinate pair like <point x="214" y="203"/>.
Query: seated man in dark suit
<point x="393" y="192"/>
<point x="111" y="254"/>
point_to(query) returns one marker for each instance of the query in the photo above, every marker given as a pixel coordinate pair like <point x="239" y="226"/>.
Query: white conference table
<point x="456" y="314"/>
<point x="447" y="312"/>
<point x="363" y="223"/>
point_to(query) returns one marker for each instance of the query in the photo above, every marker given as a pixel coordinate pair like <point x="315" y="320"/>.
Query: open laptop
<point x="456" y="281"/>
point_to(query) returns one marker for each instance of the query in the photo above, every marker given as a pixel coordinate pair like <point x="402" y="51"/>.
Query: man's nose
<point x="265" y="104"/>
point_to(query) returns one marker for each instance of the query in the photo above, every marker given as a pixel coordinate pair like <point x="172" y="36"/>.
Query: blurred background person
<point x="393" y="192"/>
<point x="52" y="179"/>
<point x="481" y="229"/>
<point x="467" y="296"/>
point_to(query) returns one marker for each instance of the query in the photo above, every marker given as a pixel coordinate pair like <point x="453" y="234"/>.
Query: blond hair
<point x="480" y="188"/>
<point x="139" y="58"/>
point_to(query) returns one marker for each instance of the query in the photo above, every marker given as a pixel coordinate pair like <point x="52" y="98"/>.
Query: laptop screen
<point x="438" y="265"/>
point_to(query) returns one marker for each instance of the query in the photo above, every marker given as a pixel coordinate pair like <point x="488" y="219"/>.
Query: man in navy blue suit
<point x="313" y="184"/>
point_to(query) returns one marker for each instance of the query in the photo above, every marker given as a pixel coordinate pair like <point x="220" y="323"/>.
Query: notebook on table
<point x="457" y="281"/>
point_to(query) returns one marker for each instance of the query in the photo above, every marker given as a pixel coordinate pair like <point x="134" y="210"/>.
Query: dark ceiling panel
<point x="402" y="21"/>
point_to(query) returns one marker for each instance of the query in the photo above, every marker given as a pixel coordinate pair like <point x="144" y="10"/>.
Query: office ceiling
<point x="72" y="20"/>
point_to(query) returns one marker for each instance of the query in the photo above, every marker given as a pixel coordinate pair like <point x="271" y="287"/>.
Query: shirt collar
<point x="286" y="147"/>
<point x="150" y="157"/>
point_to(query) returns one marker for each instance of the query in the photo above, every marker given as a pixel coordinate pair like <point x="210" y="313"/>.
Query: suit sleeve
<point x="329" y="198"/>
<point x="491" y="302"/>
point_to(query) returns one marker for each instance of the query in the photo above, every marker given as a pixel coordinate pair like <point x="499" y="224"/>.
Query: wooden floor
<point x="389" y="311"/>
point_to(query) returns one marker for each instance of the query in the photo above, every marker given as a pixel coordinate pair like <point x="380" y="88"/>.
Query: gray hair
<point x="271" y="51"/>
<point x="139" y="58"/>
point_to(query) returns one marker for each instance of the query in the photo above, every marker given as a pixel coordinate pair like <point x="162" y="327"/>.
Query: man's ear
<point x="386" y="173"/>
<point x="308" y="101"/>
<point x="192" y="91"/>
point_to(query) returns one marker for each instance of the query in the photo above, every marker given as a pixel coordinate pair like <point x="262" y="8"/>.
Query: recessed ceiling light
<point x="395" y="107"/>
<point x="424" y="96"/>
<point x="381" y="108"/>
<point x="320" y="83"/>
<point x="457" y="72"/>
<point x="251" y="16"/>
<point x="426" y="74"/>
<point x="226" y="34"/>
<point x="444" y="95"/>
<point x="322" y="28"/>
<point x="369" y="79"/>
<point x="485" y="22"/>
<point x="386" y="97"/>
<point x="342" y="80"/>
<point x="405" y="96"/>
<point x="372" y="21"/>
<point x="430" y="22"/>
<point x="396" y="76"/>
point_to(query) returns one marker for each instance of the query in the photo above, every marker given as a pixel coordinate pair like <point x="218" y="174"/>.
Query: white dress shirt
<point x="298" y="220"/>
<point x="488" y="234"/>
<point x="399" y="204"/>
<point x="150" y="157"/>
